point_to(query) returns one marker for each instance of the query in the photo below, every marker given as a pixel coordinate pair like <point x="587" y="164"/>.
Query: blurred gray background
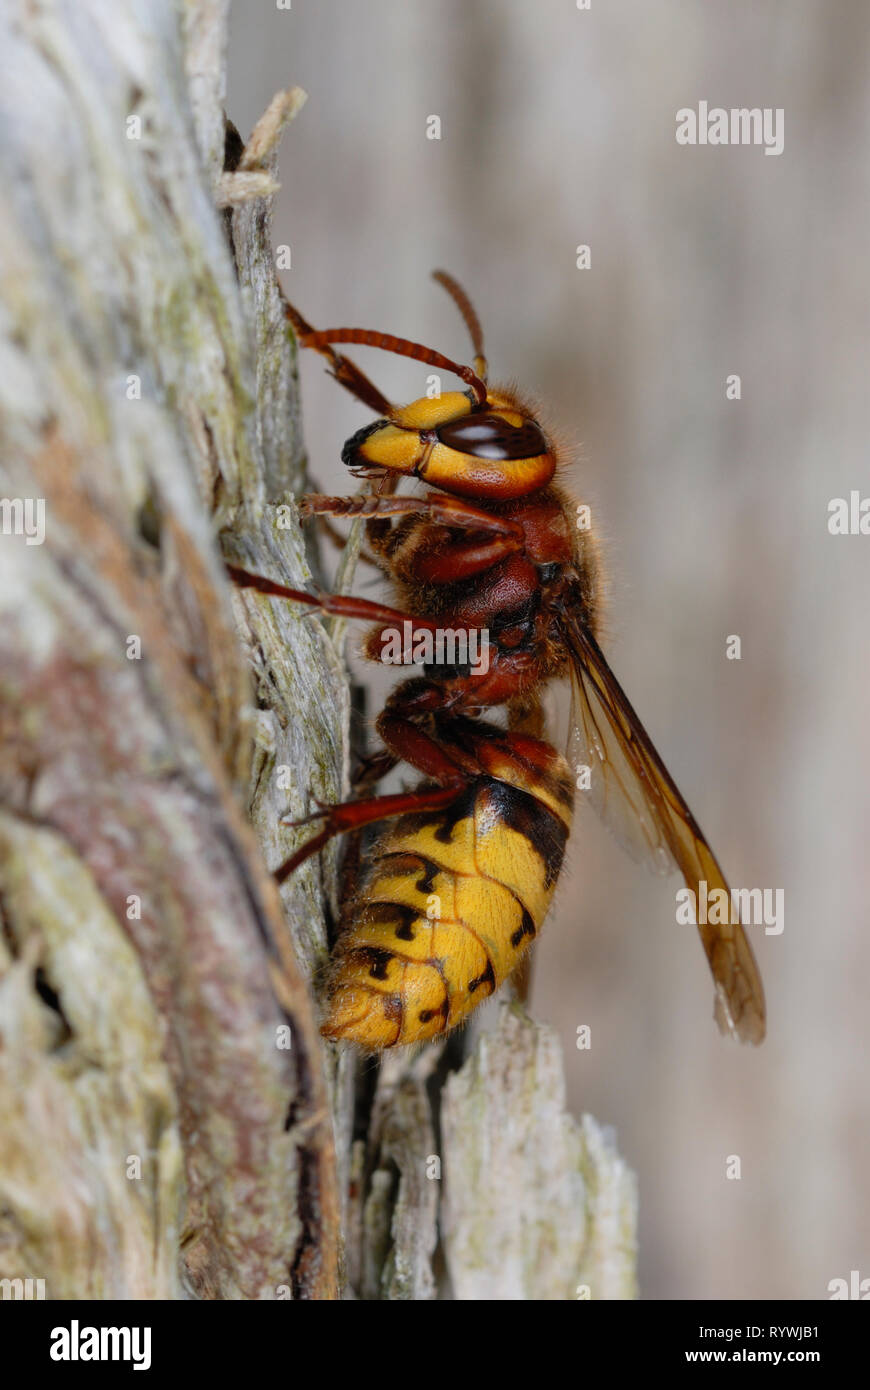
<point x="559" y="129"/>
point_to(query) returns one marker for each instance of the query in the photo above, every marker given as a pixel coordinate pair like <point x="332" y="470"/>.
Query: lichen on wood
<point x="129" y="397"/>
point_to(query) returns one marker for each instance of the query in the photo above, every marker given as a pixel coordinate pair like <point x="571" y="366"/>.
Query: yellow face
<point x="487" y="452"/>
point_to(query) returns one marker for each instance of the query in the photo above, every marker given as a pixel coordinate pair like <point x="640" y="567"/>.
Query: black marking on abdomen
<point x="404" y="861"/>
<point x="425" y="1015"/>
<point x="460" y="809"/>
<point x="527" y="929"/>
<point x="394" y="1010"/>
<point x="527" y="816"/>
<point x="376" y="957"/>
<point x="379" y="914"/>
<point x="519" y="810"/>
<point x="487" y="978"/>
<point x="426" y="882"/>
<point x="445" y="820"/>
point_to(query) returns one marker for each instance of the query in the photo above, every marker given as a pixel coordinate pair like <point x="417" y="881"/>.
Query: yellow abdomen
<point x="451" y="903"/>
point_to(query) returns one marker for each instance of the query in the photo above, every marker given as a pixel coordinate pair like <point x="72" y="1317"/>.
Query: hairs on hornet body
<point x="458" y="885"/>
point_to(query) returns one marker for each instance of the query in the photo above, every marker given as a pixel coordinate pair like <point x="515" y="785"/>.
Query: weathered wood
<point x="536" y="1206"/>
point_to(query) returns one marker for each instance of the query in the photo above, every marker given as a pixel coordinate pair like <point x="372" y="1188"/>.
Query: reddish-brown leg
<point x="372" y="768"/>
<point x="353" y="815"/>
<point x="463" y="559"/>
<point x="405" y="741"/>
<point x="346" y="373"/>
<point x="446" y="511"/>
<point x="340" y="605"/>
<point x="411" y="744"/>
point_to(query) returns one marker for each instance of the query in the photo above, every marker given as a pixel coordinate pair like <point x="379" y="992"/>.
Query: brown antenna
<point x="402" y="346"/>
<point x="346" y="373"/>
<point x="469" y="315"/>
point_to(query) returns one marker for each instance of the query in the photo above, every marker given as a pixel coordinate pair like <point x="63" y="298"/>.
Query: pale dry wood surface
<point x="153" y="1035"/>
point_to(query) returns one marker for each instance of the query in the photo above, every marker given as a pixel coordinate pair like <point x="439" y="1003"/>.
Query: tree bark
<point x="150" y="1105"/>
<point x="169" y="1123"/>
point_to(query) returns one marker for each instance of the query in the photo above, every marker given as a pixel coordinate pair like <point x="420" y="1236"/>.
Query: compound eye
<point x="490" y="436"/>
